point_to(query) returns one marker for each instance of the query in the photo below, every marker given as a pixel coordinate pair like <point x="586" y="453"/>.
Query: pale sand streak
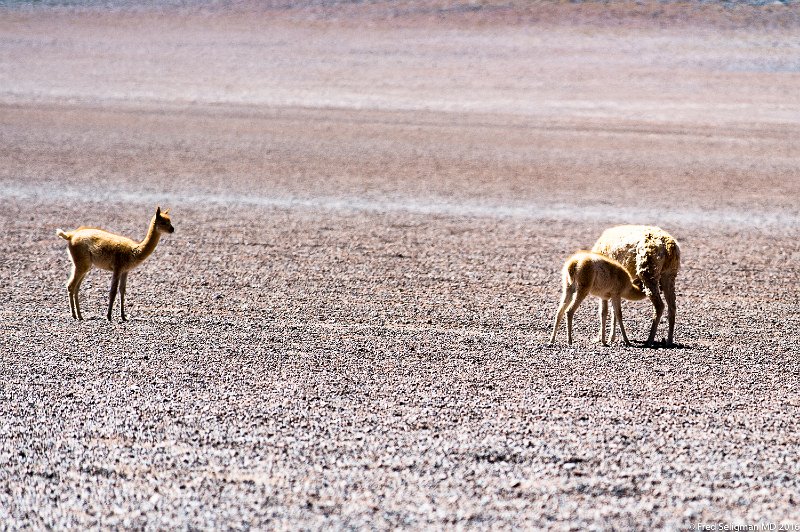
<point x="489" y="209"/>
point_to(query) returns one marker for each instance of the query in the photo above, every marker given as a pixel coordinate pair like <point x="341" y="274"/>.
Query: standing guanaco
<point x="651" y="255"/>
<point x="586" y="273"/>
<point x="94" y="247"/>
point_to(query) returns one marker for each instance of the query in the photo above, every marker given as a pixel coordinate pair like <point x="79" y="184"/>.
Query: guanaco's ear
<point x="158" y="210"/>
<point x="166" y="211"/>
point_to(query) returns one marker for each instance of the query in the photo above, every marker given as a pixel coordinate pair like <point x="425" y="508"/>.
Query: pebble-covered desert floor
<point x="372" y="203"/>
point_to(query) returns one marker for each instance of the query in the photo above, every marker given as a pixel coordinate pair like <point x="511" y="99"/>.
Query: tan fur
<point x="650" y="254"/>
<point x="586" y="273"/>
<point x="89" y="246"/>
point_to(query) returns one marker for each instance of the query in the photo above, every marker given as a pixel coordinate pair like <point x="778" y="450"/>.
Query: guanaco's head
<point x="638" y="289"/>
<point x="163" y="222"/>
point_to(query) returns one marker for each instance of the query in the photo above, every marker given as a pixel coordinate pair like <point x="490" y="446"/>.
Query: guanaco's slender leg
<point x="112" y="293"/>
<point x="580" y="295"/>
<point x="658" y="306"/>
<point x="72" y="284"/>
<point x="71" y="302"/>
<point x="603" y="308"/>
<point x="668" y="286"/>
<point x="613" y="328"/>
<point x="76" y="294"/>
<point x="618" y="313"/>
<point x="565" y="297"/>
<point x="123" y="282"/>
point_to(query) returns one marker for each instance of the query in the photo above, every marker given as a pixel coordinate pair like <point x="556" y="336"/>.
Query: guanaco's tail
<point x="62" y="234"/>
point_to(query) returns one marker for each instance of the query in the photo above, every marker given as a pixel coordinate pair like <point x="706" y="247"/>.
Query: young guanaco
<point x="94" y="247"/>
<point x="586" y="273"/>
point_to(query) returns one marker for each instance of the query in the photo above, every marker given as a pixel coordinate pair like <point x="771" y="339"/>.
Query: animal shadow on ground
<point x="642" y="344"/>
<point x="658" y="344"/>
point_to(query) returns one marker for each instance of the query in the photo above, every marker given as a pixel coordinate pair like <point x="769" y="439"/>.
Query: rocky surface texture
<point x="348" y="327"/>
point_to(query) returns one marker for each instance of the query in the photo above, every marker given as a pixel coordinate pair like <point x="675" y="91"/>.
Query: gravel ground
<point x="348" y="328"/>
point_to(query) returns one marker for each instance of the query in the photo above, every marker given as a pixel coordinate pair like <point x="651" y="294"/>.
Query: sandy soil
<point x="372" y="203"/>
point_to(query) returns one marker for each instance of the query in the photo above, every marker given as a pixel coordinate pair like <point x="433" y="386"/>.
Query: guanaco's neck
<point x="148" y="245"/>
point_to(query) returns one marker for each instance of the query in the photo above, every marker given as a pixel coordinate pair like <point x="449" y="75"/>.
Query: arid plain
<point x="372" y="203"/>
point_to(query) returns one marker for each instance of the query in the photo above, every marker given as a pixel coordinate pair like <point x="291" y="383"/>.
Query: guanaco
<point x="586" y="273"/>
<point x="651" y="254"/>
<point x="94" y="247"/>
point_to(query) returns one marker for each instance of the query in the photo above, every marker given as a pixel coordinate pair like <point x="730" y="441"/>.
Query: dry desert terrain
<point x="372" y="202"/>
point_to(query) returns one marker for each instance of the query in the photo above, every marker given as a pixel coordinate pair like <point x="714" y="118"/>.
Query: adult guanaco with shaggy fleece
<point x="586" y="273"/>
<point x="94" y="247"/>
<point x="652" y="255"/>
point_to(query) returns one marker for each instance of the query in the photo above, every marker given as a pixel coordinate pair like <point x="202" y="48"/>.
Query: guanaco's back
<point x="103" y="249"/>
